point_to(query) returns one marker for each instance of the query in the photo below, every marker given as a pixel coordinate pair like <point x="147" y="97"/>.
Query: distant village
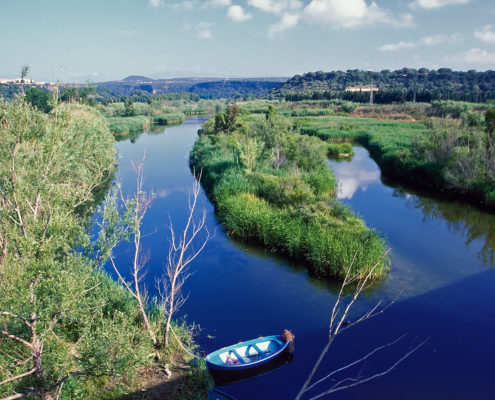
<point x="25" y="81"/>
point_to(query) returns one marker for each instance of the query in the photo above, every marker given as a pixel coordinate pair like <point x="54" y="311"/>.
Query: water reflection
<point x="354" y="175"/>
<point x="461" y="219"/>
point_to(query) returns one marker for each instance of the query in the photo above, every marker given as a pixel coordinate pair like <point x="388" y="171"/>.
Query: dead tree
<point x="339" y="322"/>
<point x="139" y="204"/>
<point x="181" y="253"/>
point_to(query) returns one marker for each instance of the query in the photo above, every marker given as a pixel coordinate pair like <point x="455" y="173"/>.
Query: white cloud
<point x="276" y="6"/>
<point x="477" y="56"/>
<point x="237" y="13"/>
<point x="397" y="46"/>
<point x="438" y="39"/>
<point x="431" y="4"/>
<point x="351" y="14"/>
<point x="218" y="3"/>
<point x="155" y="3"/>
<point x="186" y="5"/>
<point x="204" y="34"/>
<point x="287" y="21"/>
<point x="486" y="35"/>
<point x="203" y="30"/>
<point x="433" y="40"/>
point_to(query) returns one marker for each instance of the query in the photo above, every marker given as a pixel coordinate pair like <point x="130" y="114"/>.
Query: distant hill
<point x="443" y="83"/>
<point x="204" y="87"/>
<point x="136" y="79"/>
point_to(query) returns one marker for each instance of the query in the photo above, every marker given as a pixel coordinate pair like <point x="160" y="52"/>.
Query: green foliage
<point x="406" y="84"/>
<point x="340" y="149"/>
<point x="490" y="120"/>
<point x="126" y="125"/>
<point x="87" y="325"/>
<point x="272" y="185"/>
<point x="41" y="99"/>
<point x="128" y="108"/>
<point x="446" y="154"/>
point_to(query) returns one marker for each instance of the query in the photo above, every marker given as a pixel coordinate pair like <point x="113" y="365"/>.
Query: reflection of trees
<point x="461" y="219"/>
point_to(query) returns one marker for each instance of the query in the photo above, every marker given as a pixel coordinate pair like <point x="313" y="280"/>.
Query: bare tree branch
<point x="181" y="254"/>
<point x="339" y="323"/>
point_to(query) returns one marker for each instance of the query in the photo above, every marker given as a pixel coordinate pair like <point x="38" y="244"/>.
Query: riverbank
<point x="68" y="329"/>
<point x="449" y="152"/>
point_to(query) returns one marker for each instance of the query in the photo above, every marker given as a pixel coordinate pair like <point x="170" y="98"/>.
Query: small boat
<point x="250" y="358"/>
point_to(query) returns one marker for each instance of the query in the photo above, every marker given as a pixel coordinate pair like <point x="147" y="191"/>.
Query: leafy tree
<point x="41" y="99"/>
<point x="490" y="120"/>
<point x="24" y="72"/>
<point x="231" y="116"/>
<point x="128" y="107"/>
<point x="70" y="94"/>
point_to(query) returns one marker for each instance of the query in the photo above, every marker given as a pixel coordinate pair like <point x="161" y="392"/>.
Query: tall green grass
<point x="290" y="208"/>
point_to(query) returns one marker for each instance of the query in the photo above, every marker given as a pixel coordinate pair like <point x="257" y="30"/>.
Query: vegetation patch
<point x="67" y="329"/>
<point x="272" y="185"/>
<point x="452" y="151"/>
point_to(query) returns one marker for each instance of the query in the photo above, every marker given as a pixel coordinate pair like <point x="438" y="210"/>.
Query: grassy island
<point x="270" y="184"/>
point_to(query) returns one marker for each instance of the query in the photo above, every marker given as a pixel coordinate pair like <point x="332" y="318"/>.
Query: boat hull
<point x="227" y="374"/>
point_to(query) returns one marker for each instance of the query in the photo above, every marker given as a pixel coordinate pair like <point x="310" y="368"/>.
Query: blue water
<point x="442" y="257"/>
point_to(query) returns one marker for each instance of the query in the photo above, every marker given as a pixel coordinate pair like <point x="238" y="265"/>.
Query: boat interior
<point x="249" y="353"/>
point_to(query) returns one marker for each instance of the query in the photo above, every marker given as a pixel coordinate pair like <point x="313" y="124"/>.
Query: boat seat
<point x="260" y="352"/>
<point x="239" y="357"/>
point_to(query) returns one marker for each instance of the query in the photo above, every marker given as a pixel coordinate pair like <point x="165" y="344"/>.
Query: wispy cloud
<point x="186" y="5"/>
<point x="276" y="6"/>
<point x="204" y="31"/>
<point x="352" y="14"/>
<point x="288" y="21"/>
<point x="217" y="3"/>
<point x="477" y="56"/>
<point x="397" y="46"/>
<point x="438" y="39"/>
<point x="155" y="3"/>
<point x="486" y="35"/>
<point x="204" y="34"/>
<point x="432" y="4"/>
<point x="238" y="14"/>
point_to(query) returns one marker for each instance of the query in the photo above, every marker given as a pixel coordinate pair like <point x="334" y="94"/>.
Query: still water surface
<point x="442" y="258"/>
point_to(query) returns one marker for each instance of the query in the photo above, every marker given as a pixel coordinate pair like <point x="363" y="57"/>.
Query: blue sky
<point x="96" y="40"/>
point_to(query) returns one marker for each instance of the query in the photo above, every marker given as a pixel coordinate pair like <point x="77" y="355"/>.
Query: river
<point x="442" y="258"/>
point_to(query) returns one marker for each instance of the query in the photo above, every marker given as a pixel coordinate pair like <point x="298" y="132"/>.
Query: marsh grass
<point x="288" y="206"/>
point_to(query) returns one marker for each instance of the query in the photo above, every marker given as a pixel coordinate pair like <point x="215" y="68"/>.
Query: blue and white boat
<point x="250" y="358"/>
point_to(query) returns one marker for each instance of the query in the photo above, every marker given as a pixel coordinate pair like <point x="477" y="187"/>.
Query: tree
<point x="117" y="226"/>
<point x="490" y="120"/>
<point x="231" y="116"/>
<point x="41" y="99"/>
<point x="70" y="94"/>
<point x="24" y="72"/>
<point x="339" y="322"/>
<point x="128" y="107"/>
<point x="124" y="223"/>
<point x="47" y="285"/>
<point x="181" y="253"/>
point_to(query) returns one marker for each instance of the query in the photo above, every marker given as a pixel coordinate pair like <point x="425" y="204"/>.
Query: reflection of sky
<point x="435" y="243"/>
<point x="355" y="175"/>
